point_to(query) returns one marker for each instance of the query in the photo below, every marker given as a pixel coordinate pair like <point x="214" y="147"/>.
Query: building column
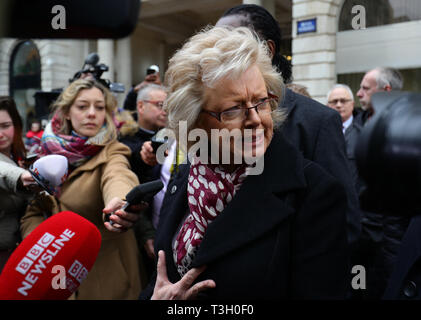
<point x="106" y="56"/>
<point x="314" y="53"/>
<point x="123" y="64"/>
<point x="269" y="5"/>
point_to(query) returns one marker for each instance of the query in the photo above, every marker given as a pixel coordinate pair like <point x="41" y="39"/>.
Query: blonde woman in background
<point x="82" y="130"/>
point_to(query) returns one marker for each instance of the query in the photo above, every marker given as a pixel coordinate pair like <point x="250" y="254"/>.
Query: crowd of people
<point x="216" y="230"/>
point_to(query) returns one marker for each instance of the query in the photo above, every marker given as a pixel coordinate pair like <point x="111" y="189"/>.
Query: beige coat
<point x="115" y="274"/>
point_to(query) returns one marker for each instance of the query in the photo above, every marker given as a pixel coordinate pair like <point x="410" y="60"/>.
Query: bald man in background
<point x="377" y="80"/>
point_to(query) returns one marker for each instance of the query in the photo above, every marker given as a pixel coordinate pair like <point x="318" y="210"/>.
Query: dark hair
<point x="268" y="29"/>
<point x="18" y="148"/>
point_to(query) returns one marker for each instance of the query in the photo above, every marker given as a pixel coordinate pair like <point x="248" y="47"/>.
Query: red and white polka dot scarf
<point x="209" y="190"/>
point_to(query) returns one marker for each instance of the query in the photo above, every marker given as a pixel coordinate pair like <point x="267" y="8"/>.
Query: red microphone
<point x="52" y="261"/>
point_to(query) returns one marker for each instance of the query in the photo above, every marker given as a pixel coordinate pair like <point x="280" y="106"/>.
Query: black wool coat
<point x="282" y="236"/>
<point x="135" y="142"/>
<point x="352" y="133"/>
<point x="316" y="131"/>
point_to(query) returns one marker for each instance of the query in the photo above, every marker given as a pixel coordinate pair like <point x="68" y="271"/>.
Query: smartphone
<point x="30" y="159"/>
<point x="157" y="142"/>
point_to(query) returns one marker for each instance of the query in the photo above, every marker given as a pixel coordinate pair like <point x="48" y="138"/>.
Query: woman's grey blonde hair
<point x="214" y="54"/>
<point x="66" y="99"/>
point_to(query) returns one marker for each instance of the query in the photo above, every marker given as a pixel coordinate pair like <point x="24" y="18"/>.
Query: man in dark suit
<point x="150" y="119"/>
<point x="341" y="99"/>
<point x="381" y="231"/>
<point x="311" y="127"/>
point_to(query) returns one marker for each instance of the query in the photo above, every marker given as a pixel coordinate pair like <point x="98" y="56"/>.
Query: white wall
<point x="313" y="54"/>
<point x="396" y="45"/>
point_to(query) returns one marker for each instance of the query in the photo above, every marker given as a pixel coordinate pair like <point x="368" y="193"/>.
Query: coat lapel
<point x="172" y="212"/>
<point x="288" y="102"/>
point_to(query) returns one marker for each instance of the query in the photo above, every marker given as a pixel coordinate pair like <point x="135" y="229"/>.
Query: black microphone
<point x="142" y="192"/>
<point x="92" y="59"/>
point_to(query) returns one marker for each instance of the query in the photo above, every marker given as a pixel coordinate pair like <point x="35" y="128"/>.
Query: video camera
<point x="95" y="69"/>
<point x="388" y="154"/>
<point x="43" y="99"/>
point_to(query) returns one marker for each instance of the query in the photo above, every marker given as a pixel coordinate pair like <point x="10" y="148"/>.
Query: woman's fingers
<point x="26" y="178"/>
<point x="114" y="204"/>
<point x="114" y="227"/>
<point x="189" y="291"/>
<point x="124" y="218"/>
<point x="118" y="220"/>
<point x="183" y="289"/>
<point x="188" y="279"/>
<point x="161" y="268"/>
<point x="199" y="287"/>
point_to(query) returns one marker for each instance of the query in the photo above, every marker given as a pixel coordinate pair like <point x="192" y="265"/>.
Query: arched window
<point x="25" y="78"/>
<point x="380" y="12"/>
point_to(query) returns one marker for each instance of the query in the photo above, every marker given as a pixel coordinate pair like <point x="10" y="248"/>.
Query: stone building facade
<point x="330" y="51"/>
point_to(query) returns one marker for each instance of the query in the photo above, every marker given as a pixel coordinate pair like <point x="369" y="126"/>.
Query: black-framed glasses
<point x="240" y="113"/>
<point x="159" y="104"/>
<point x="335" y="101"/>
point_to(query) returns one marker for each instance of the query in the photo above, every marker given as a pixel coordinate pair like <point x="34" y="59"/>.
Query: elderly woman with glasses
<point x="261" y="222"/>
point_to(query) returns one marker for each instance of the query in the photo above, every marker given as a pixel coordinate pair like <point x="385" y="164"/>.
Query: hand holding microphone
<point x="49" y="172"/>
<point x="117" y="219"/>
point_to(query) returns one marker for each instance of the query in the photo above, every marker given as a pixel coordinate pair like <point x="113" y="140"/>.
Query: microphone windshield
<point x="52" y="261"/>
<point x="144" y="191"/>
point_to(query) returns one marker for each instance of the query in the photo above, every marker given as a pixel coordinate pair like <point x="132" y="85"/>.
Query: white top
<point x="165" y="178"/>
<point x="346" y="124"/>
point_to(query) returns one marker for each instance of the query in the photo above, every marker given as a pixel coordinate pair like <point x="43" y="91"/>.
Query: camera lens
<point x="388" y="152"/>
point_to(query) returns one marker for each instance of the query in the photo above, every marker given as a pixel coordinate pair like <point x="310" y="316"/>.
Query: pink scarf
<point x="76" y="149"/>
<point x="209" y="190"/>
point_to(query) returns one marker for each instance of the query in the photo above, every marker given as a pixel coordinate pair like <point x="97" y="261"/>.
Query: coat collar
<point x="242" y="220"/>
<point x="353" y="126"/>
<point x="289" y="100"/>
<point x="113" y="147"/>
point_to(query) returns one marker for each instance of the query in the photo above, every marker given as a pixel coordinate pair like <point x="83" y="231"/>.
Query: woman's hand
<point x="181" y="290"/>
<point x="27" y="179"/>
<point x="122" y="220"/>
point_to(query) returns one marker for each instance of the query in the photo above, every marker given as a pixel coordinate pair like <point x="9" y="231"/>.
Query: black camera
<point x="95" y="69"/>
<point x="152" y="69"/>
<point x="388" y="154"/>
<point x="44" y="99"/>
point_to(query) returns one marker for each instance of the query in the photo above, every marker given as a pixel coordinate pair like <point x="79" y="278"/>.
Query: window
<point x="380" y="12"/>
<point x="25" y="78"/>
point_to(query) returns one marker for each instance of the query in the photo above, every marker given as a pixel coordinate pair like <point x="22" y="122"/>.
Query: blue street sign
<point x="306" y="26"/>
